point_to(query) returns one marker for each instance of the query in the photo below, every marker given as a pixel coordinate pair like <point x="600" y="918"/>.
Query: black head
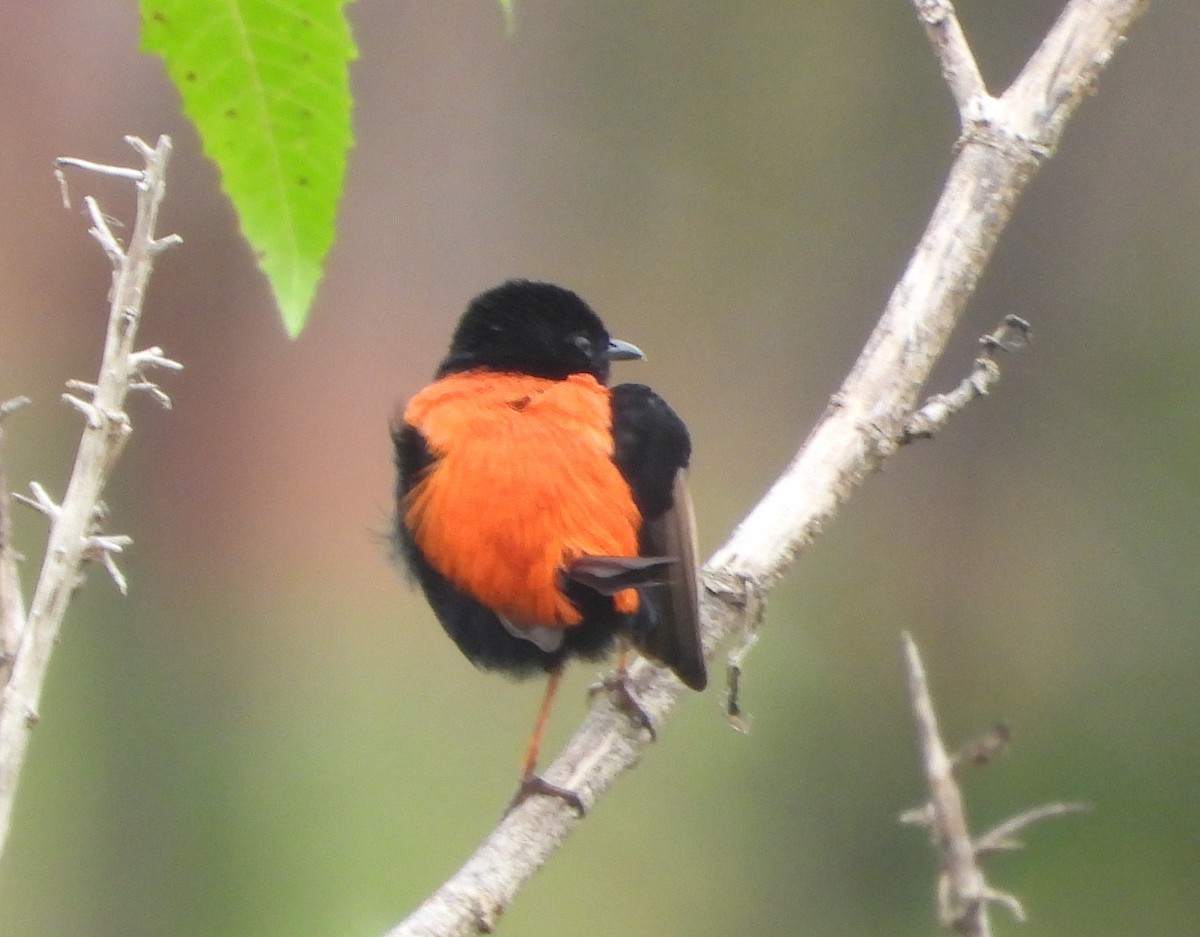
<point x="533" y="328"/>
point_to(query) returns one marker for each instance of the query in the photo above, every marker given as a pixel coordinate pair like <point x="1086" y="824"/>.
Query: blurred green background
<point x="271" y="736"/>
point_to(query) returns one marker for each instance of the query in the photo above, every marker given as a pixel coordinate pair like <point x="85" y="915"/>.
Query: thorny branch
<point x="963" y="891"/>
<point x="12" y="603"/>
<point x="75" y="538"/>
<point x="1005" y="140"/>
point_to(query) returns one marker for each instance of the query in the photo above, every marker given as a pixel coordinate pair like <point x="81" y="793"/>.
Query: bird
<point x="544" y="514"/>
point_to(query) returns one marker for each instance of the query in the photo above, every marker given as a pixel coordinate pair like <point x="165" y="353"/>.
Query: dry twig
<point x="963" y="892"/>
<point x="1011" y="335"/>
<point x="74" y="538"/>
<point x="12" y="603"/>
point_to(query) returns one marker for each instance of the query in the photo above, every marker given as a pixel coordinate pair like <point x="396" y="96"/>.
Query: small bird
<point x="544" y="514"/>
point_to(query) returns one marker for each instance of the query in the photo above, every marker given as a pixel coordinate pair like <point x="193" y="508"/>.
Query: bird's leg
<point x="616" y="685"/>
<point x="531" y="782"/>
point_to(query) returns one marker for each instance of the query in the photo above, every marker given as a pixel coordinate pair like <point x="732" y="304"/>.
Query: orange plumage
<point x="502" y="526"/>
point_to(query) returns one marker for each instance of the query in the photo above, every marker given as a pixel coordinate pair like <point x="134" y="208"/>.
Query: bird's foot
<point x="616" y="685"/>
<point x="533" y="785"/>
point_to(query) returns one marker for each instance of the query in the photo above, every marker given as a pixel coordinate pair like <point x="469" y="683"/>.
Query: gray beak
<point x="623" y="351"/>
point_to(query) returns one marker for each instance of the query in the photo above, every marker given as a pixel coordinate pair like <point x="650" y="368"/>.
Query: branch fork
<point x="153" y="357"/>
<point x="101" y="547"/>
<point x="959" y="69"/>
<point x="40" y="502"/>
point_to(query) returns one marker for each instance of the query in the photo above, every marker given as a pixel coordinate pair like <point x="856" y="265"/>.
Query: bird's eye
<point x="583" y="343"/>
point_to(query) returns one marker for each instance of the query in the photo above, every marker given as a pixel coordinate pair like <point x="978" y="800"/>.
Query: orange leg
<point x="531" y="782"/>
<point x="539" y="727"/>
<point x="622" y="659"/>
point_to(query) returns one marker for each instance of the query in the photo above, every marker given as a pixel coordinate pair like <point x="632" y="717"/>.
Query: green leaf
<point x="267" y="86"/>
<point x="510" y="17"/>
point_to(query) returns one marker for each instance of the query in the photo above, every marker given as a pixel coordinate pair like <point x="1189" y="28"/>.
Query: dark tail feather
<point x="608" y="575"/>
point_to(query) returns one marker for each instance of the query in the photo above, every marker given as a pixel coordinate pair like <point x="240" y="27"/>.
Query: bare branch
<point x="102" y="547"/>
<point x="963" y="892"/>
<point x="954" y="55"/>
<point x="90" y="413"/>
<point x="1011" y="335"/>
<point x="74" y="539"/>
<point x="753" y="607"/>
<point x="1000" y="838"/>
<point x="962" y="901"/>
<point x="40" y="501"/>
<point x="102" y="232"/>
<point x="158" y="245"/>
<point x="152" y="358"/>
<point x="121" y="172"/>
<point x="12" y="406"/>
<point x="12" y="602"/>
<point x="139" y="361"/>
<point x="64" y="162"/>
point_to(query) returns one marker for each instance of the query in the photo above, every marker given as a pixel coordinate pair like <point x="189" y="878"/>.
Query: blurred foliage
<point x="271" y="736"/>
<point x="510" y="15"/>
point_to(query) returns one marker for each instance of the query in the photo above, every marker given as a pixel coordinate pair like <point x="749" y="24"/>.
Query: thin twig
<point x="963" y="892"/>
<point x="74" y="539"/>
<point x="40" y="501"/>
<point x="754" y="608"/>
<point x="1011" y="335"/>
<point x="1000" y="838"/>
<point x="963" y="903"/>
<point x="12" y="602"/>
<point x="954" y="55"/>
<point x="863" y="425"/>
<point x="122" y="172"/>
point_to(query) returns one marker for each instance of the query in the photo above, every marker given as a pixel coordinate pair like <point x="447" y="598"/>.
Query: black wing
<point x="652" y="449"/>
